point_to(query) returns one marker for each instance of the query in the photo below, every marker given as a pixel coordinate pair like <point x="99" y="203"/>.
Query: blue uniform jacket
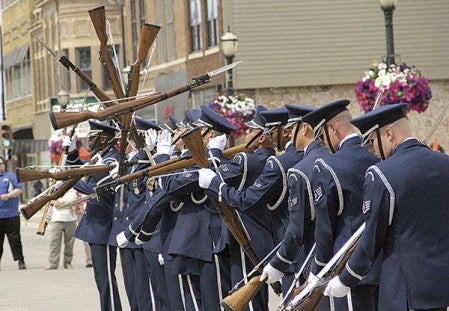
<point x="405" y="206"/>
<point x="337" y="183"/>
<point x="134" y="199"/>
<point x="95" y="226"/>
<point x="244" y="170"/>
<point x="301" y="228"/>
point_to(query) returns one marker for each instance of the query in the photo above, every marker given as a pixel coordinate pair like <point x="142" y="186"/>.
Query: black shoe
<point x="22" y="265"/>
<point x="89" y="265"/>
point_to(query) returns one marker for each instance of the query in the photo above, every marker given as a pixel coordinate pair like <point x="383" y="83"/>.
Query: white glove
<point x="160" y="258"/>
<point x="121" y="240"/>
<point x="113" y="172"/>
<point x="69" y="143"/>
<point x="138" y="242"/>
<point x="163" y="143"/>
<point x="205" y="177"/>
<point x="218" y="142"/>
<point x="312" y="278"/>
<point x="54" y="170"/>
<point x="271" y="274"/>
<point x="97" y="158"/>
<point x="150" y="138"/>
<point x="336" y="288"/>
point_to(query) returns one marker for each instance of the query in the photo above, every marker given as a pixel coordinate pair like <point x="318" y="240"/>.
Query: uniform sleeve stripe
<point x="319" y="263"/>
<point x="309" y="190"/>
<point x="351" y="272"/>
<point x="283" y="258"/>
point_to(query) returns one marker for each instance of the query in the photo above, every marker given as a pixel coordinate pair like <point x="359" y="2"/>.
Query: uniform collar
<point x="347" y="137"/>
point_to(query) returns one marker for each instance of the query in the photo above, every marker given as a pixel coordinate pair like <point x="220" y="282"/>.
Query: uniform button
<point x="115" y="218"/>
<point x="127" y="217"/>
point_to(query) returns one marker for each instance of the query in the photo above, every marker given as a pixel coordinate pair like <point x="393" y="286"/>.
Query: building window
<point x="85" y="64"/>
<point x="203" y="97"/>
<point x="161" y="38"/>
<point x="142" y="12"/>
<point x="134" y="23"/>
<point x="18" y="79"/>
<point x="170" y="30"/>
<point x="195" y="25"/>
<point x="212" y="23"/>
<point x="115" y="56"/>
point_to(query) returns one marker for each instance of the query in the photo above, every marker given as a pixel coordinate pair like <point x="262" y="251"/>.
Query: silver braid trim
<point x="337" y="184"/>
<point x="284" y="184"/>
<point x="293" y="171"/>
<point x="390" y="190"/>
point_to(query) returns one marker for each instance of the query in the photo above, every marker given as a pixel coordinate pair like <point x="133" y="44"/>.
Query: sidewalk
<point x="36" y="289"/>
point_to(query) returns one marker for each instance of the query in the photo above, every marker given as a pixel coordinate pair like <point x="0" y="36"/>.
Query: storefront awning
<point x="22" y="146"/>
<point x="15" y="57"/>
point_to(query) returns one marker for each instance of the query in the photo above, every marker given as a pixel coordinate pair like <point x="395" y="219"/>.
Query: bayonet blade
<point x="52" y="52"/>
<point x="223" y="69"/>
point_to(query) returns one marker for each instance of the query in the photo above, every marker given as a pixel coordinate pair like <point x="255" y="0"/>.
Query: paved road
<point x="36" y="289"/>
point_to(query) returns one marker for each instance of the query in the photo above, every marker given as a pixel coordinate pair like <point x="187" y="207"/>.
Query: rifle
<point x="240" y="296"/>
<point x="312" y="294"/>
<point x="69" y="65"/>
<point x="147" y="37"/>
<point x="98" y="18"/>
<point x="171" y="165"/>
<point x="194" y="142"/>
<point x="26" y="174"/>
<point x="64" y="119"/>
<point x="61" y="187"/>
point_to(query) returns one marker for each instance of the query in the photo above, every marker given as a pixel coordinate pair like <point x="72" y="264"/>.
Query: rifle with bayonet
<point x="61" y="187"/>
<point x="98" y="18"/>
<point x="64" y="119"/>
<point x="194" y="143"/>
<point x="28" y="174"/>
<point x="71" y="66"/>
<point x="312" y="294"/>
<point x="165" y="167"/>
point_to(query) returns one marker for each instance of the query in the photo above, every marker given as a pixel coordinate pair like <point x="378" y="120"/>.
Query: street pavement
<point x="36" y="289"/>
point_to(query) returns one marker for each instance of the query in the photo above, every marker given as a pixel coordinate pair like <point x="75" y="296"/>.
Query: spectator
<point x="63" y="224"/>
<point x="38" y="187"/>
<point x="10" y="190"/>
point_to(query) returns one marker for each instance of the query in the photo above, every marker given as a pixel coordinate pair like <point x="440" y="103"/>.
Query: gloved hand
<point x="54" y="170"/>
<point x="163" y="143"/>
<point x="312" y="278"/>
<point x="160" y="258"/>
<point x="205" y="177"/>
<point x="113" y="172"/>
<point x="150" y="138"/>
<point x="218" y="142"/>
<point x="69" y="143"/>
<point x="97" y="158"/>
<point x="121" y="239"/>
<point x="336" y="288"/>
<point x="138" y="241"/>
<point x="271" y="274"/>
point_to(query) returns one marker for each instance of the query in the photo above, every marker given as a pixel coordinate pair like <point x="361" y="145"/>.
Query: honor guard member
<point x="96" y="223"/>
<point x="269" y="191"/>
<point x="172" y="125"/>
<point x="337" y="182"/>
<point x="134" y="265"/>
<point x="301" y="228"/>
<point x="253" y="196"/>
<point x="198" y="223"/>
<point x="405" y="206"/>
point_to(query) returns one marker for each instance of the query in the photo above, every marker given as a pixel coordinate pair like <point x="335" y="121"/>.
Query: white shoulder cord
<point x="115" y="52"/>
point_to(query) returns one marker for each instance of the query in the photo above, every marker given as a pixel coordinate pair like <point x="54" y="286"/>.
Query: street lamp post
<point x="63" y="99"/>
<point x="228" y="46"/>
<point x="388" y="7"/>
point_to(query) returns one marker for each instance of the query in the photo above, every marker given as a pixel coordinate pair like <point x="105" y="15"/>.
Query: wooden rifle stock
<point x="98" y="18"/>
<point x="239" y="299"/>
<point x="25" y="174"/>
<point x="194" y="142"/>
<point x="64" y="119"/>
<point x="314" y="298"/>
<point x="147" y="37"/>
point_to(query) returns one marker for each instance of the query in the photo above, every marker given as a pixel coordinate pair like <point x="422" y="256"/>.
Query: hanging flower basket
<point x="236" y="109"/>
<point x="400" y="83"/>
